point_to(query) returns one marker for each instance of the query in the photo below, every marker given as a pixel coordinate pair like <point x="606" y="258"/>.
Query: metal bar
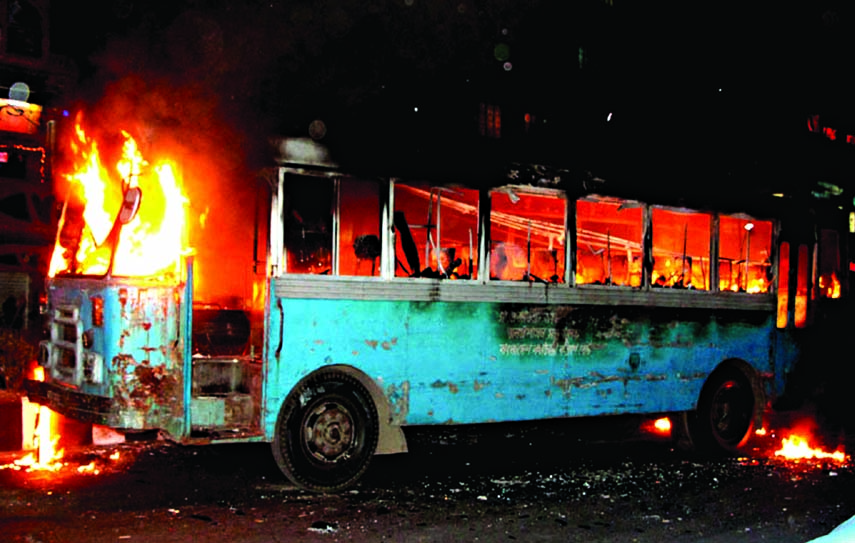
<point x="187" y="355"/>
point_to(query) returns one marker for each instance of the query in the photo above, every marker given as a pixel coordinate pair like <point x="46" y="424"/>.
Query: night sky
<point x="718" y="89"/>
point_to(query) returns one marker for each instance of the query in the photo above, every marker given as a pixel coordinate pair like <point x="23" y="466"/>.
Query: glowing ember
<point x="797" y="448"/>
<point x="152" y="243"/>
<point x="661" y="426"/>
<point x="89" y="468"/>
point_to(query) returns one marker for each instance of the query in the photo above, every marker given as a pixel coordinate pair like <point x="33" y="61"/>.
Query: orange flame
<point x="829" y="285"/>
<point x="796" y="447"/>
<point x="47" y="457"/>
<point x="153" y="242"/>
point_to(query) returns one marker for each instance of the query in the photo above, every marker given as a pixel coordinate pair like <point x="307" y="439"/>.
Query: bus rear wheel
<point x="326" y="432"/>
<point x="724" y="418"/>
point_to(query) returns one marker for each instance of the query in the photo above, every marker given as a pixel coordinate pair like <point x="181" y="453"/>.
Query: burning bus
<point x="385" y="302"/>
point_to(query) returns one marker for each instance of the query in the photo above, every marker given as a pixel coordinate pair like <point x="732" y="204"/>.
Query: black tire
<point x="326" y="432"/>
<point x="724" y="420"/>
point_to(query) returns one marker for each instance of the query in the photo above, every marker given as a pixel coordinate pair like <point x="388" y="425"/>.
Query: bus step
<point x="222" y="411"/>
<point x="225" y="375"/>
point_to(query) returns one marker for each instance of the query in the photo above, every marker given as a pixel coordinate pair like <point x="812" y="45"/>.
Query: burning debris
<point x="45" y="455"/>
<point x="796" y="447"/>
<point x="56" y="463"/>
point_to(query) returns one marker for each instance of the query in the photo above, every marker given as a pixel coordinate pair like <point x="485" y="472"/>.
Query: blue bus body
<point x="468" y="361"/>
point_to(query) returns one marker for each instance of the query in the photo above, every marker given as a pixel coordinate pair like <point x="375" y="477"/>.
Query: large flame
<point x="152" y="243"/>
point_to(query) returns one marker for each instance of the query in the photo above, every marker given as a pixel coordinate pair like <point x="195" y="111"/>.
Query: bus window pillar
<point x="647" y="247"/>
<point x="570" y="261"/>
<point x="484" y="236"/>
<point x="387" y="232"/>
<point x="276" y="248"/>
<point x="715" y="243"/>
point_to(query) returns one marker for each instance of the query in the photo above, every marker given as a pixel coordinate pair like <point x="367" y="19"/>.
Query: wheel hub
<point x="728" y="412"/>
<point x="329" y="432"/>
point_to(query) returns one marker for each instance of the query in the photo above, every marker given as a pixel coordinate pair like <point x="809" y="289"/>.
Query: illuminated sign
<point x="20" y="117"/>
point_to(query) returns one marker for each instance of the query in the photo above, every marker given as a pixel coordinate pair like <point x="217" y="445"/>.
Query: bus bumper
<point x="68" y="402"/>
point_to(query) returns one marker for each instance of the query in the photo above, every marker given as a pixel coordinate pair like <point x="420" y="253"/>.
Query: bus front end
<point x="117" y="296"/>
<point x="114" y="355"/>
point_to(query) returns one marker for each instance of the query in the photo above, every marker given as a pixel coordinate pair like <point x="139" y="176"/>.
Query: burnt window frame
<point x="820" y="255"/>
<point x="279" y="231"/>
<point x="567" y="278"/>
<point x="772" y="268"/>
<point x="645" y="249"/>
<point x="290" y="176"/>
<point x="712" y="245"/>
<point x="338" y="191"/>
<point x="390" y="246"/>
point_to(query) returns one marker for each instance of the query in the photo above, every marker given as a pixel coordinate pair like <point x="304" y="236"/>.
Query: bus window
<point x="801" y="316"/>
<point x="828" y="264"/>
<point x="608" y="242"/>
<point x="359" y="227"/>
<point x="783" y="284"/>
<point x="744" y="254"/>
<point x="681" y="249"/>
<point x="527" y="236"/>
<point x="307" y="213"/>
<point x="431" y="221"/>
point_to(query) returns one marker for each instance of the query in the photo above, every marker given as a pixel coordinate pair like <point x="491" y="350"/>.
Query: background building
<point x="32" y="81"/>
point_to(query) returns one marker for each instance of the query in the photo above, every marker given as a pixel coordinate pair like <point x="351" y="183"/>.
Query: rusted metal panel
<point x="119" y="341"/>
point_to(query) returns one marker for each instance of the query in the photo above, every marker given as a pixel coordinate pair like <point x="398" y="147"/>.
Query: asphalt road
<point x="581" y="481"/>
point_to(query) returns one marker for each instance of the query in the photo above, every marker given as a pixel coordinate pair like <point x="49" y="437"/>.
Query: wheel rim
<point x="730" y="413"/>
<point x="328" y="432"/>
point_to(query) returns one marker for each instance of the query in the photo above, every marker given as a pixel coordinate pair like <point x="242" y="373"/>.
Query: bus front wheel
<point x="326" y="432"/>
<point x="724" y="419"/>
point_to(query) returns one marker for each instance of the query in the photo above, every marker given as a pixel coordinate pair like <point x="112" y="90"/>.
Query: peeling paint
<point x="563" y="384"/>
<point x="372" y="343"/>
<point x="152" y="391"/>
<point x="452" y="387"/>
<point x="399" y="402"/>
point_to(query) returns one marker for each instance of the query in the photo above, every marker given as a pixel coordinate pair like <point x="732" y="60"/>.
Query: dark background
<point x="648" y="93"/>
